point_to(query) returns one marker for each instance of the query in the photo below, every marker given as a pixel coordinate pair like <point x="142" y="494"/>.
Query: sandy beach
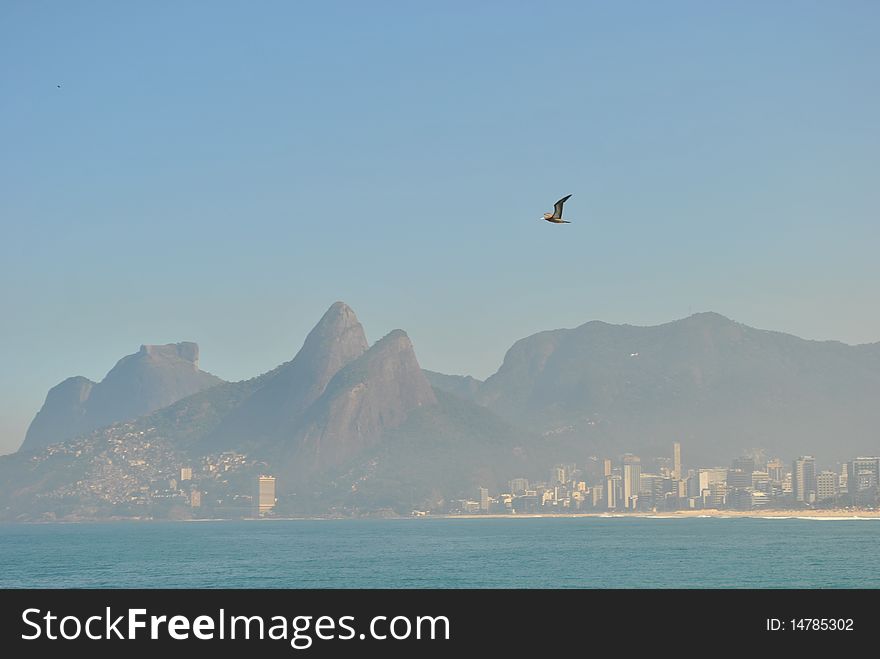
<point x="830" y="514"/>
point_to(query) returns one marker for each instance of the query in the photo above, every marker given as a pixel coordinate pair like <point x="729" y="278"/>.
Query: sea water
<point x="588" y="552"/>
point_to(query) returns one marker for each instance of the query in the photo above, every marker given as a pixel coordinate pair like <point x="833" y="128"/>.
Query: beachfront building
<point x="266" y="495"/>
<point x="827" y="486"/>
<point x="803" y="479"/>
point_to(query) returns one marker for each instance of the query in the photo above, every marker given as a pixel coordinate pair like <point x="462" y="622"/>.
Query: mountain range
<point x="152" y="378"/>
<point x="346" y="423"/>
<point x="717" y="386"/>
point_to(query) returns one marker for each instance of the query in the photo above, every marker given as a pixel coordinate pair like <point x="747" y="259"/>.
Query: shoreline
<point x="711" y="513"/>
<point x="830" y="514"/>
<point x="827" y="515"/>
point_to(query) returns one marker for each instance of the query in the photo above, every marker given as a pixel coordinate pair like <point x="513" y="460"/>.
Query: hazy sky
<point x="222" y="172"/>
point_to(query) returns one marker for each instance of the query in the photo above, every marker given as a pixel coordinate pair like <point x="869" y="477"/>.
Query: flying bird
<point x="556" y="215"/>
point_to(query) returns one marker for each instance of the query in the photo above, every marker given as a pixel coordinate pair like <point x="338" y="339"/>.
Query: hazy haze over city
<point x="220" y="173"/>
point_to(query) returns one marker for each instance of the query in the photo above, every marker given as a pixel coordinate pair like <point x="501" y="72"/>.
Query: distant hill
<point x="335" y="398"/>
<point x="336" y="408"/>
<point x="272" y="413"/>
<point x="150" y="379"/>
<point x="463" y="386"/>
<point x="342" y="421"/>
<point x="717" y="386"/>
<point x="442" y="452"/>
<point x="367" y="398"/>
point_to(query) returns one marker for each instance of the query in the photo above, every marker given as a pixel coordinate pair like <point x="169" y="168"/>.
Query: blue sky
<point x="223" y="171"/>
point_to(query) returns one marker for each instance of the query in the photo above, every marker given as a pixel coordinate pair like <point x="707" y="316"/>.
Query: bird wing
<point x="557" y="207"/>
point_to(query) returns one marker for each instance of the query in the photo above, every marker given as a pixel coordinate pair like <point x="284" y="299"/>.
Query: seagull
<point x="556" y="215"/>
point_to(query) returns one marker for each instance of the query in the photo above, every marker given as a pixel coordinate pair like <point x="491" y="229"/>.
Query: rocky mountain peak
<point x="186" y="351"/>
<point x="140" y="383"/>
<point x="370" y="396"/>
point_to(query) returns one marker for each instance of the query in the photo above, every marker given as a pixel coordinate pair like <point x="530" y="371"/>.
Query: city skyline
<point x="138" y="477"/>
<point x="747" y="484"/>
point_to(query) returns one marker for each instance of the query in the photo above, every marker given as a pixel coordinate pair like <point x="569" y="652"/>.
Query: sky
<point x="222" y="172"/>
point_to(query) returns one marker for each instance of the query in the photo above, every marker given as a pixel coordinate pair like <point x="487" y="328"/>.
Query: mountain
<point x="349" y="428"/>
<point x="370" y="396"/>
<point x="334" y="400"/>
<point x="341" y="424"/>
<point x="341" y="412"/>
<point x="150" y="379"/>
<point x="463" y="386"/>
<point x="440" y="452"/>
<point x="273" y="412"/>
<point x="63" y="414"/>
<point x="718" y="386"/>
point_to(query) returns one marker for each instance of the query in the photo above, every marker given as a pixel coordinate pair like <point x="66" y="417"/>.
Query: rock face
<point x="370" y="396"/>
<point x="274" y="412"/>
<point x="63" y="415"/>
<point x="463" y="386"/>
<point x="336" y="398"/>
<point x="718" y="386"/>
<point x="152" y="378"/>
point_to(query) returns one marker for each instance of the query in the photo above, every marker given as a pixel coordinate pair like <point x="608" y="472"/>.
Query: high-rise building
<point x="705" y="481"/>
<point x="776" y="470"/>
<point x="665" y="491"/>
<point x="681" y="488"/>
<point x="266" y="495"/>
<point x="662" y="467"/>
<point x="786" y="484"/>
<point x="745" y="464"/>
<point x="803" y="479"/>
<point x="518" y="486"/>
<point x="528" y="503"/>
<point x="693" y="483"/>
<point x="558" y="475"/>
<point x="739" y="499"/>
<point x="186" y="474"/>
<point x="612" y="486"/>
<point x="195" y="499"/>
<point x="863" y="475"/>
<point x="484" y="499"/>
<point x="844" y="478"/>
<point x="632" y="470"/>
<point x="761" y="481"/>
<point x="705" y="478"/>
<point x="827" y="485"/>
<point x="760" y="500"/>
<point x="676" y="460"/>
<point x="717" y="494"/>
<point x="607" y="467"/>
<point x="739" y="479"/>
<point x="648" y="483"/>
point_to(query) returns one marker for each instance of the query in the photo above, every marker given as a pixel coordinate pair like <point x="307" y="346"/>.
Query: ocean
<point x="587" y="552"/>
